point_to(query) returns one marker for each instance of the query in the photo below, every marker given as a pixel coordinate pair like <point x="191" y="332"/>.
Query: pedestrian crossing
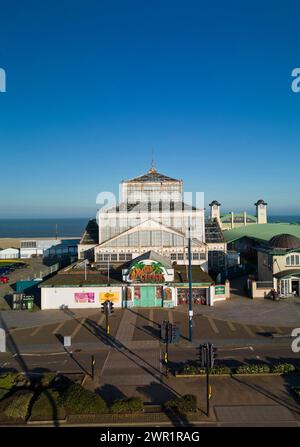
<point x="142" y="325"/>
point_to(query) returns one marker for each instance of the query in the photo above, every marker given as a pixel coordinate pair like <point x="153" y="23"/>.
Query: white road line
<point x="80" y="323"/>
<point x="231" y="326"/>
<point x="251" y="348"/>
<point x="248" y="330"/>
<point x="58" y="328"/>
<point x="213" y="325"/>
<point x="36" y="331"/>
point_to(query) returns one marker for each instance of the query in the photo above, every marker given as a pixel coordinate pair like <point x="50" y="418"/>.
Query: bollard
<point x="2" y="340"/>
<point x="67" y="341"/>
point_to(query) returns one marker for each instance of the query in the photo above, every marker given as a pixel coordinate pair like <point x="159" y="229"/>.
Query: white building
<point x="151" y="216"/>
<point x="10" y="253"/>
<point x="45" y="248"/>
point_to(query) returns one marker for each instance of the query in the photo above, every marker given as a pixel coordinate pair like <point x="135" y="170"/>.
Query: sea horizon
<point x="52" y="227"/>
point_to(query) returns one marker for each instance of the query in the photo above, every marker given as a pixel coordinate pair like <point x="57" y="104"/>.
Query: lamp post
<point x="190" y="287"/>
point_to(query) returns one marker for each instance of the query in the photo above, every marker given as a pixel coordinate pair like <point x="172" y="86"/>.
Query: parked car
<point x="4" y="279"/>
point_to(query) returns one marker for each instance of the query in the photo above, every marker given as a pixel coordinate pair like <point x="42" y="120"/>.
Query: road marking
<point x="58" y="328"/>
<point x="80" y="324"/>
<point x="231" y="326"/>
<point x="258" y="357"/>
<point x="213" y="325"/>
<point x="36" y="331"/>
<point x="251" y="348"/>
<point x="248" y="330"/>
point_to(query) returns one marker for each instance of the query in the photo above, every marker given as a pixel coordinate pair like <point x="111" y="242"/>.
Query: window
<point x="293" y="260"/>
<point x="202" y="256"/>
<point x="114" y="257"/>
<point x="173" y="256"/>
<point x="99" y="257"/>
<point x="122" y="257"/>
<point x="180" y="256"/>
<point x="28" y="244"/>
<point x="106" y="257"/>
<point x="128" y="256"/>
<point x="196" y="256"/>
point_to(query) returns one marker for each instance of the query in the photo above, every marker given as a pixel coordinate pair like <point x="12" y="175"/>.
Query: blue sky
<point x="94" y="86"/>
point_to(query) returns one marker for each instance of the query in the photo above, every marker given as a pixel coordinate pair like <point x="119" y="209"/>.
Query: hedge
<point x="126" y="406"/>
<point x="253" y="369"/>
<point x="78" y="400"/>
<point x="7" y="381"/>
<point x="283" y="368"/>
<point x="48" y="406"/>
<point x="217" y="370"/>
<point x="185" y="404"/>
<point x="3" y="393"/>
<point x="17" y="405"/>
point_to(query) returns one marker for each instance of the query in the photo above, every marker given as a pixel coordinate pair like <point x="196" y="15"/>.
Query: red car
<point x="4" y="279"/>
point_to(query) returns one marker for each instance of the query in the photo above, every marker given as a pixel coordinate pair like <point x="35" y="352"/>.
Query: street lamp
<point x="190" y="287"/>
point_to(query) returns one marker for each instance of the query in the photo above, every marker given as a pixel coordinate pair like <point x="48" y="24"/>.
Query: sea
<point x="72" y="227"/>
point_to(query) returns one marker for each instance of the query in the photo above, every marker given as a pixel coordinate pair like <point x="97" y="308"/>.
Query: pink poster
<point x="84" y="297"/>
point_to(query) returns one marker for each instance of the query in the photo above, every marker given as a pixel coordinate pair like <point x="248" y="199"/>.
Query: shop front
<point x="200" y="295"/>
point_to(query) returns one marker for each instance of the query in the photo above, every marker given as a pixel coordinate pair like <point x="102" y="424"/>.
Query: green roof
<point x="263" y="232"/>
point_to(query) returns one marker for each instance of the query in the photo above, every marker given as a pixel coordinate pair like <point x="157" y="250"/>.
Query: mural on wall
<point x="150" y="272"/>
<point x="84" y="297"/>
<point x="114" y="297"/>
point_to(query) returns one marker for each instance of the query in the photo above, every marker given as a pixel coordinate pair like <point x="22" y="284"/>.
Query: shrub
<point x="7" y="381"/>
<point x="217" y="370"/>
<point x="17" y="405"/>
<point x="283" y="368"/>
<point x="126" y="406"/>
<point x="78" y="400"/>
<point x="193" y="369"/>
<point x="183" y="405"/>
<point x="48" y="406"/>
<point x="3" y="393"/>
<point x="297" y="391"/>
<point x="253" y="369"/>
<point x="220" y="369"/>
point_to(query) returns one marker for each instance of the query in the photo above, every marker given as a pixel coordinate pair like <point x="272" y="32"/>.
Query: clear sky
<point x="93" y="86"/>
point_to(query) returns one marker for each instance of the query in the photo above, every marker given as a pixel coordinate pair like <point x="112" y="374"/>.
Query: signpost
<point x="2" y="340"/>
<point x="93" y="366"/>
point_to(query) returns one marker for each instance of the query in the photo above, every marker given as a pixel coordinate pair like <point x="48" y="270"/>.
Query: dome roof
<point x="286" y="241"/>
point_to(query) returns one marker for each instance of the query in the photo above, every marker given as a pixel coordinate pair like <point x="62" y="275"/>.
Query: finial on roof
<point x="152" y="170"/>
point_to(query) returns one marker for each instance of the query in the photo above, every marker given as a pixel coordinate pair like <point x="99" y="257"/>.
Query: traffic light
<point x="175" y="334"/>
<point x="203" y="356"/>
<point x="111" y="307"/>
<point x="103" y="307"/>
<point x="212" y="354"/>
<point x="163" y="331"/>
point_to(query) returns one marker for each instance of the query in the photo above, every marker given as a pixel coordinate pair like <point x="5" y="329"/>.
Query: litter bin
<point x="28" y="303"/>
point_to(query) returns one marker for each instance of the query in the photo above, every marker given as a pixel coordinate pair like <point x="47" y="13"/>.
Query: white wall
<point x="10" y="253"/>
<point x="55" y="297"/>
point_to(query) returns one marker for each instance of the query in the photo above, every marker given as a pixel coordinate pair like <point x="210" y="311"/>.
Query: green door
<point x="148" y="294"/>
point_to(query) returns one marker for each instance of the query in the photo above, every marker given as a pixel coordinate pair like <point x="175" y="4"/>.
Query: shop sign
<point x="84" y="297"/>
<point x="114" y="297"/>
<point x="219" y="290"/>
<point x="147" y="272"/>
